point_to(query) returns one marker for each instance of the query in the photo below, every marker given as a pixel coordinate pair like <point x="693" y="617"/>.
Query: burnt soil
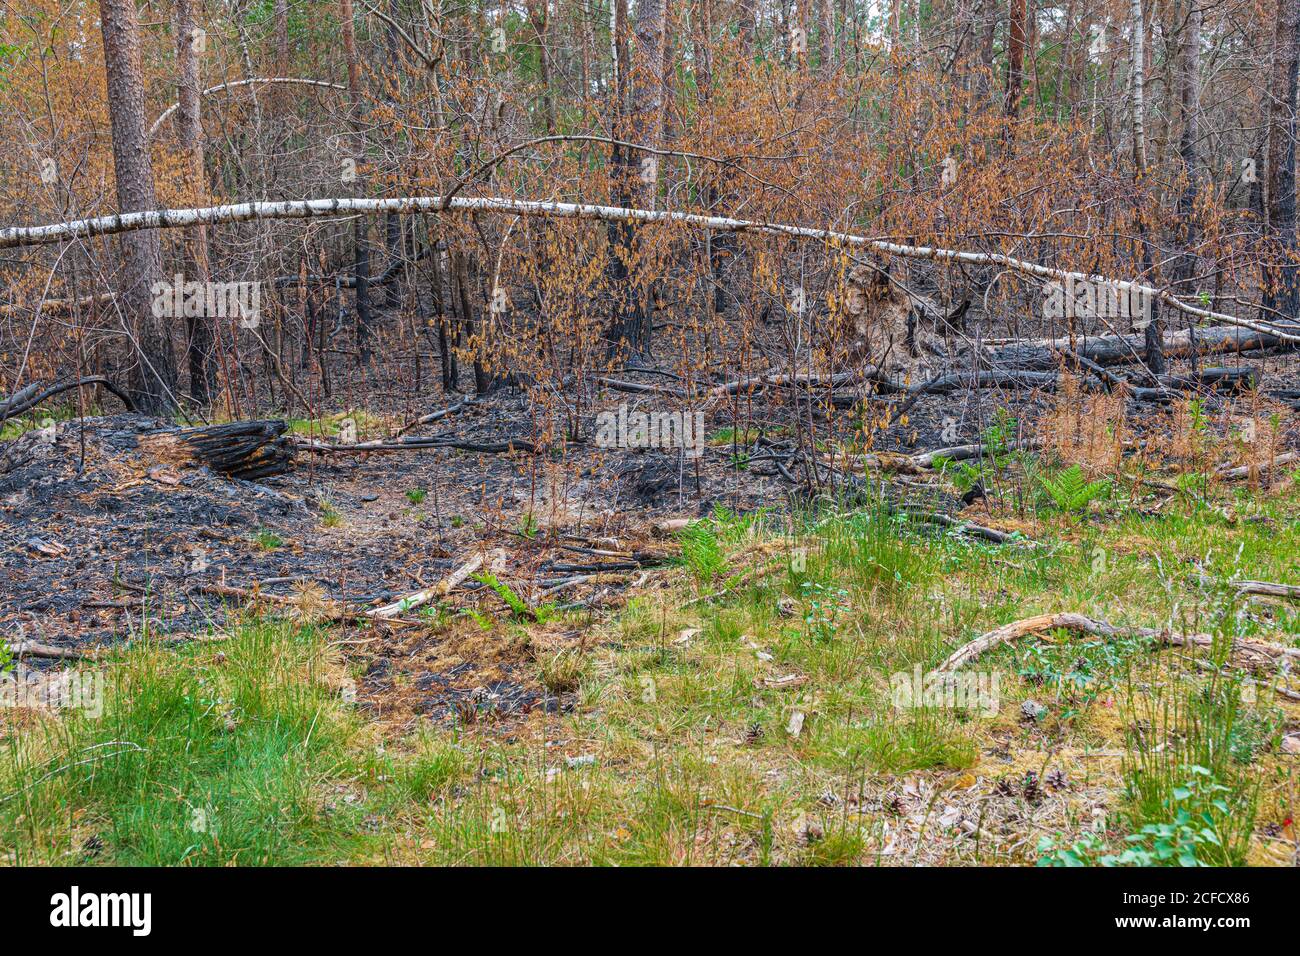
<point x="100" y="544"/>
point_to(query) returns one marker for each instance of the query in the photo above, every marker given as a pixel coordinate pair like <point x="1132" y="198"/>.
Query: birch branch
<point x="256" y="81"/>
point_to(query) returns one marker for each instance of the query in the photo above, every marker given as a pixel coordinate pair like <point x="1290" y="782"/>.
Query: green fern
<point x="701" y="551"/>
<point x="1071" y="491"/>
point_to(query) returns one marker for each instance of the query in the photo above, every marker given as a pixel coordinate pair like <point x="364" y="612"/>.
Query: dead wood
<point x="1044" y="354"/>
<point x="510" y="446"/>
<point x="965" y="527"/>
<point x="433" y="417"/>
<point x="1256" y="471"/>
<point x="1290" y="592"/>
<point x="1250" y="654"/>
<point x="21" y="649"/>
<point x="31" y="396"/>
<point x="964" y="452"/>
<point x="441" y="589"/>
<point x="246" y="450"/>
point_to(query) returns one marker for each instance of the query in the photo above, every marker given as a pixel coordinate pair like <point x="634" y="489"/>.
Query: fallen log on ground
<point x="1257" y="471"/>
<point x="509" y="446"/>
<point x="245" y="450"/>
<point x="1250" y="654"/>
<point x="433" y="417"/>
<point x="927" y="459"/>
<point x="1290" y="592"/>
<point x="21" y="649"/>
<point x="1044" y="354"/>
<point x="966" y="527"/>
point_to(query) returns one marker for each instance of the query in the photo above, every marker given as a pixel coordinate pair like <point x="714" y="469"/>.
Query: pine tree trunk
<point x="152" y="376"/>
<point x="1016" y="57"/>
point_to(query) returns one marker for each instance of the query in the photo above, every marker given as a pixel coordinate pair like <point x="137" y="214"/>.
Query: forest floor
<point x="748" y="689"/>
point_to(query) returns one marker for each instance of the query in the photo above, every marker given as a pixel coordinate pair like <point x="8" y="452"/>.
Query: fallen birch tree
<point x="18" y="236"/>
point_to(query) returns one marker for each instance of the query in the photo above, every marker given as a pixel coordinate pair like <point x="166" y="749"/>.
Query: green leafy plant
<point x="826" y="608"/>
<point x="701" y="550"/>
<point x="996" y="455"/>
<point x="267" y="540"/>
<point x="6" y="657"/>
<point x="519" y="608"/>
<point x="1070" y="489"/>
<point x="1198" y="832"/>
<point x="416" y="495"/>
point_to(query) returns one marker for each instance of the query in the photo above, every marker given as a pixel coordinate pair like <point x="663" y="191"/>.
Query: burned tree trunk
<point x="1125" y="349"/>
<point x="1282" y="287"/>
<point x="245" y="450"/>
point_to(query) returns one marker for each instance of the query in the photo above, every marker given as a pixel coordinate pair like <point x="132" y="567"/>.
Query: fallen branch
<point x="425" y="595"/>
<point x="1045" y="354"/>
<point x="965" y="527"/>
<point x="963" y="452"/>
<point x="509" y="446"/>
<point x="1253" y="654"/>
<point x="21" y="649"/>
<point x="1290" y="592"/>
<point x="432" y="417"/>
<point x="1256" y="471"/>
<point x="57" y="306"/>
<point x="28" y="398"/>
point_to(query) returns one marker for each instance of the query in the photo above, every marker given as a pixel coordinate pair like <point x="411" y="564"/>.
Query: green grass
<point x="742" y="711"/>
<point x="204" y="758"/>
<point x="40" y="418"/>
<point x="268" y="540"/>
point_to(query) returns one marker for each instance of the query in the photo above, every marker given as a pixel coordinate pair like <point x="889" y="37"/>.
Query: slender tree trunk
<point x="190" y="132"/>
<point x="747" y="25"/>
<point x="826" y="36"/>
<point x="1138" y="50"/>
<point x="538" y="17"/>
<point x="1282" y="290"/>
<point x="152" y="377"/>
<point x="393" y="246"/>
<point x="984" y="84"/>
<point x="361" y="226"/>
<point x="1015" y="57"/>
<point x="280" y="16"/>
<point x="639" y="174"/>
<point x="1187" y="145"/>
